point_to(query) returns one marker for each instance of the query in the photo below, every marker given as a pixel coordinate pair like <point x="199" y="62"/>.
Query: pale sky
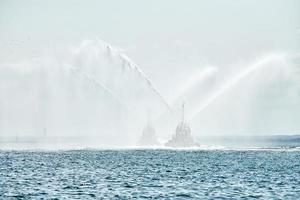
<point x="217" y="29"/>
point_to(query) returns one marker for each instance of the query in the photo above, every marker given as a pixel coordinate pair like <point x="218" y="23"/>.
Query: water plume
<point x="116" y="55"/>
<point x="264" y="62"/>
<point x="193" y="83"/>
<point x="86" y="95"/>
<point x="97" y="82"/>
<point x="127" y="62"/>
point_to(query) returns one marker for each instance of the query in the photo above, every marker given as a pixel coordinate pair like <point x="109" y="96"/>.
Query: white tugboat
<point x="182" y="137"/>
<point x="148" y="137"/>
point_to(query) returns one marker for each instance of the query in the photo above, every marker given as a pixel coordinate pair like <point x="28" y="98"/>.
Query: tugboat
<point x="148" y="137"/>
<point x="182" y="137"/>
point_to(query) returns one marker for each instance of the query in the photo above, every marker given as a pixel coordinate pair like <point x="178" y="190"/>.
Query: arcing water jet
<point x="129" y="64"/>
<point x="239" y="77"/>
<point x="193" y="82"/>
<point x="97" y="82"/>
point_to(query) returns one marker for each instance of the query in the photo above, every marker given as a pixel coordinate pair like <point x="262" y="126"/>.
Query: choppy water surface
<point x="142" y="174"/>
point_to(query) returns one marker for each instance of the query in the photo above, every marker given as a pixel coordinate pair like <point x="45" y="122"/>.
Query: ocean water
<point x="150" y="174"/>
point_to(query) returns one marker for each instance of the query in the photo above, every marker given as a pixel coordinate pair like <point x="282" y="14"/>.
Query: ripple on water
<point x="149" y="174"/>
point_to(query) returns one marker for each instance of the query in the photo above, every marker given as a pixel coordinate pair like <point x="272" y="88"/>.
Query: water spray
<point x="129" y="64"/>
<point x="239" y="77"/>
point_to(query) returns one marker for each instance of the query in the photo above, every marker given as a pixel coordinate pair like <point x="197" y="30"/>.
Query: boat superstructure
<point x="182" y="136"/>
<point x="148" y="137"/>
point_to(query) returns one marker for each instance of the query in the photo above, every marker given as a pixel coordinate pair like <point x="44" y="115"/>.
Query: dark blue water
<point x="150" y="174"/>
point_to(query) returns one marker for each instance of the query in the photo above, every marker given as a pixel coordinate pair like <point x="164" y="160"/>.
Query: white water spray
<point x="101" y="85"/>
<point x="193" y="82"/>
<point x="127" y="62"/>
<point x="86" y="96"/>
<point x="231" y="83"/>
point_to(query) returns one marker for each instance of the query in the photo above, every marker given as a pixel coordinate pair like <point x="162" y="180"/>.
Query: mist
<point x="74" y="75"/>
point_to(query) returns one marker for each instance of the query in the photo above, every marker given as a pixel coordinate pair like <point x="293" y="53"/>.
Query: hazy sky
<point x="217" y="29"/>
